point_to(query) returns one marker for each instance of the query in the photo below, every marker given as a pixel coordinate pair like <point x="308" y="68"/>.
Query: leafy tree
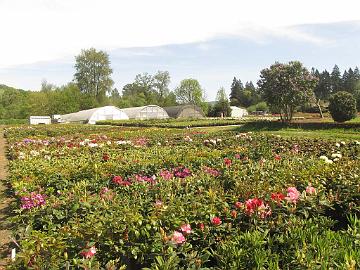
<point x="189" y="92"/>
<point x="93" y="74"/>
<point x="235" y="93"/>
<point x="286" y="86"/>
<point x="222" y="105"/>
<point x="342" y="106"/>
<point x="161" y="81"/>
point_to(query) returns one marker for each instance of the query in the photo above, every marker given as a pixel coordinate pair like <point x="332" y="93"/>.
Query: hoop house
<point x="146" y="112"/>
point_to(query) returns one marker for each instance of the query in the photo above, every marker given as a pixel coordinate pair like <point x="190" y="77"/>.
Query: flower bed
<point x="107" y="197"/>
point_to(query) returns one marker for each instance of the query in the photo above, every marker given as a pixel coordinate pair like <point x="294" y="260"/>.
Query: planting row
<point x="127" y="198"/>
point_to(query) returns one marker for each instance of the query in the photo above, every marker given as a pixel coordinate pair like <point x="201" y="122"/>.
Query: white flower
<point x="337" y="144"/>
<point x="82" y="143"/>
<point x="342" y="142"/>
<point x="34" y="153"/>
<point x="188" y="139"/>
<point x="328" y="161"/>
<point x="92" y="145"/>
<point x="335" y="159"/>
<point x="159" y="143"/>
<point x="323" y="157"/>
<point x="357" y="142"/>
<point x="337" y="155"/>
<point x="108" y="142"/>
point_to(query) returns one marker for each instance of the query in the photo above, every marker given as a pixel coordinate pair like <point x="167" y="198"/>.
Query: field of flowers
<point x="150" y="198"/>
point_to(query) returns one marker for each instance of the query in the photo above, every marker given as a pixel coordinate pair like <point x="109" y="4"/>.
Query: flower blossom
<point x="89" y="253"/>
<point x="257" y="205"/>
<point x="181" y="172"/>
<point x="227" y="162"/>
<point x="216" y="221"/>
<point x="166" y="174"/>
<point x="310" y="189"/>
<point x="211" y="171"/>
<point x="186" y="229"/>
<point x="292" y="195"/>
<point x="277" y="197"/>
<point x="178" y="238"/>
<point x="32" y="201"/>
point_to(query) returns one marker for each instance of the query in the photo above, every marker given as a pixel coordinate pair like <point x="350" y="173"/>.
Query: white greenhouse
<point x="95" y="114"/>
<point x="237" y="112"/>
<point x="146" y="112"/>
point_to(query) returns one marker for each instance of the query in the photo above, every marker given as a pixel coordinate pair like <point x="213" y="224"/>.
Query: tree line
<point x="92" y="86"/>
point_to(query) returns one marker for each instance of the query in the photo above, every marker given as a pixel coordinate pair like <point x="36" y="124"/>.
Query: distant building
<point x="40" y="120"/>
<point x="184" y="111"/>
<point x="95" y="114"/>
<point x="237" y="112"/>
<point x="146" y="112"/>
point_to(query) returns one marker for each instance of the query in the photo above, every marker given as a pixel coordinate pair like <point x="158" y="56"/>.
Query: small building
<point x="184" y="111"/>
<point x="146" y="112"/>
<point x="40" y="120"/>
<point x="96" y="114"/>
<point x="237" y="112"/>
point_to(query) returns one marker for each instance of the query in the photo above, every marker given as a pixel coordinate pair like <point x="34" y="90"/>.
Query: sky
<point x="211" y="41"/>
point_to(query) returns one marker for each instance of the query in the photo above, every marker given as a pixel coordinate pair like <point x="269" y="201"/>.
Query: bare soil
<point x="5" y="206"/>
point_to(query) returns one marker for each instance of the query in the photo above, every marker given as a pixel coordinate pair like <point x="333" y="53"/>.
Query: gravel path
<point x="5" y="201"/>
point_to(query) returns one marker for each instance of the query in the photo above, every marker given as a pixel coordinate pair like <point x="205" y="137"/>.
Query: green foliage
<point x="132" y="226"/>
<point x="342" y="106"/>
<point x="148" y="89"/>
<point x="222" y="105"/>
<point x="93" y="73"/>
<point x="286" y="86"/>
<point x="261" y="106"/>
<point x="190" y="92"/>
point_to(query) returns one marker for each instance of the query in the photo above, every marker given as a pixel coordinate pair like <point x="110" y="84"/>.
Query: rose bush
<point x="108" y="197"/>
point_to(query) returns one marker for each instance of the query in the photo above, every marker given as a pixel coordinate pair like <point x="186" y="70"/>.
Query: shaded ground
<point x="5" y="201"/>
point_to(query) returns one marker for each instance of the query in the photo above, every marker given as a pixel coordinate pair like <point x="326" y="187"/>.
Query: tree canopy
<point x="93" y="73"/>
<point x="286" y="86"/>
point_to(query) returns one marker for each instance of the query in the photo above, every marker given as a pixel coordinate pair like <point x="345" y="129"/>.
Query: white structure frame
<point x="146" y="112"/>
<point x="40" y="120"/>
<point x="237" y="112"/>
<point x="95" y="114"/>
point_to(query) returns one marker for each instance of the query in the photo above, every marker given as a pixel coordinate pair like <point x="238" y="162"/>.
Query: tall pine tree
<point x="235" y="94"/>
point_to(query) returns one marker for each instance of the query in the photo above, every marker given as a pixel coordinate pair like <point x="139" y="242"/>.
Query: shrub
<point x="342" y="106"/>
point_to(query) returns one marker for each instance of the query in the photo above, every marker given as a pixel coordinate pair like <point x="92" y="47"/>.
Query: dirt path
<point x="5" y="201"/>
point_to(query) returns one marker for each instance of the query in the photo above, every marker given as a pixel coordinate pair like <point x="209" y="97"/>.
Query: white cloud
<point x="41" y="30"/>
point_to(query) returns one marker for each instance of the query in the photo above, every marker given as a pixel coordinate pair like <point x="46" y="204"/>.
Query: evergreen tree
<point x="336" y="80"/>
<point x="235" y="93"/>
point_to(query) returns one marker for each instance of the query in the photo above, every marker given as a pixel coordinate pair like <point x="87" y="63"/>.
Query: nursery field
<point x="107" y="197"/>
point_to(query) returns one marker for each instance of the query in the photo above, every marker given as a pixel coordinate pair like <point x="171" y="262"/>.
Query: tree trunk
<point x="320" y="111"/>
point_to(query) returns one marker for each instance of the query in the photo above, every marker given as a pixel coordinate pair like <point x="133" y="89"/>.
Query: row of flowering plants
<point x="130" y="198"/>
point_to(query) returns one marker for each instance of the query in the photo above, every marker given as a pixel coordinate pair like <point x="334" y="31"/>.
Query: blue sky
<point x="212" y="52"/>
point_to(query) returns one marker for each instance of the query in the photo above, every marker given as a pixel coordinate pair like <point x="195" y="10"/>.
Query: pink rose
<point x="178" y="238"/>
<point x="186" y="229"/>
<point x="292" y="195"/>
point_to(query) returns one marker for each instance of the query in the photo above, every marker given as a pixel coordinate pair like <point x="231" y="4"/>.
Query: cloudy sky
<point x="212" y="41"/>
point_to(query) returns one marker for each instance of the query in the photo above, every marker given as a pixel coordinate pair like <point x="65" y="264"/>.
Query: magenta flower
<point x="186" y="229"/>
<point x="178" y="238"/>
<point x="32" y="201"/>
<point x="292" y="195"/>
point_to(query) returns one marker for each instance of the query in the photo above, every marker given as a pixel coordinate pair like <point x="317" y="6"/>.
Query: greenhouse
<point x="237" y="112"/>
<point x="184" y="111"/>
<point x="146" y="112"/>
<point x="95" y="114"/>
